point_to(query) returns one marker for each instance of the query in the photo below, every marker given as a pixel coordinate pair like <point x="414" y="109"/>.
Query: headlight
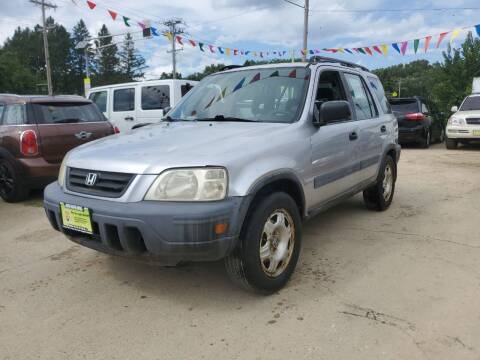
<point x="455" y="120"/>
<point x="196" y="184"/>
<point x="62" y="172"/>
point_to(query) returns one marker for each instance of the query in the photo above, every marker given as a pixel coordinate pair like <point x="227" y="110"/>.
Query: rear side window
<point x="405" y="106"/>
<point x="185" y="89"/>
<point x="377" y="87"/>
<point x="2" y="107"/>
<point x="124" y="99"/>
<point x="14" y="114"/>
<point x="100" y="99"/>
<point x="67" y="113"/>
<point x="362" y="100"/>
<point x="155" y="97"/>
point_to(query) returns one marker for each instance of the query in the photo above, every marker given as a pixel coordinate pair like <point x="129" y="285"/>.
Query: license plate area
<point x="77" y="218"/>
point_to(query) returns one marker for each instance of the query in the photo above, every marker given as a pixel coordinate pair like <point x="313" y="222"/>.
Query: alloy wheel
<point x="6" y="180"/>
<point x="387" y="182"/>
<point x="277" y="243"/>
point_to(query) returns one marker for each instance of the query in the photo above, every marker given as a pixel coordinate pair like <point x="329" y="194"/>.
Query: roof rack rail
<point x="319" y="59"/>
<point x="229" y="67"/>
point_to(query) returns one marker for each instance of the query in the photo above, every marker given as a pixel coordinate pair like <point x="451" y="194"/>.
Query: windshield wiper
<point x="226" y="118"/>
<point x="67" y="121"/>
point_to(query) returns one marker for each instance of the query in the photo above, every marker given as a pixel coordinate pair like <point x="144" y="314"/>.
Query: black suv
<point x="418" y="121"/>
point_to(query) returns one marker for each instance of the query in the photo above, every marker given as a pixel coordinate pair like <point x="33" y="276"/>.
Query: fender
<point x="269" y="178"/>
<point x="5" y="154"/>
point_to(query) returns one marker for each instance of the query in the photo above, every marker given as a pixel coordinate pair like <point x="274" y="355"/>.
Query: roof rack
<point x="320" y="59"/>
<point x="229" y="67"/>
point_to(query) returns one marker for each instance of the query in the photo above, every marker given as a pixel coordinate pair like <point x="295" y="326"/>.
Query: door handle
<point x="129" y="118"/>
<point x="83" y="135"/>
<point x="383" y="129"/>
<point x="353" y="136"/>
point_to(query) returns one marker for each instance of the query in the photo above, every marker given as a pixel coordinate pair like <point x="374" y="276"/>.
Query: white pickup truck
<point x="131" y="104"/>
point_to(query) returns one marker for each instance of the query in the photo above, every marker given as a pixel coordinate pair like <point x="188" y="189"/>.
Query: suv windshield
<point x="63" y="113"/>
<point x="259" y="95"/>
<point x="471" y="103"/>
<point x="405" y="106"/>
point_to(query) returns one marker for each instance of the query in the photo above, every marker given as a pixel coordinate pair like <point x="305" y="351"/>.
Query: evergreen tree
<point x="80" y="33"/>
<point x="132" y="63"/>
<point x="108" y="62"/>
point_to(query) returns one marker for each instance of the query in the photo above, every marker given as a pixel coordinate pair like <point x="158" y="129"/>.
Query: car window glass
<point x="155" y="97"/>
<point x="471" y="103"/>
<point x="100" y="99"/>
<point x="124" y="99"/>
<point x="270" y="94"/>
<point x="67" y="113"/>
<point x="14" y="115"/>
<point x="404" y="106"/>
<point x="377" y="87"/>
<point x="2" y="107"/>
<point x="185" y="89"/>
<point x="330" y="88"/>
<point x="364" y="108"/>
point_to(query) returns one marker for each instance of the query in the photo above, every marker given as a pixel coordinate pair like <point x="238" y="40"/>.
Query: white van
<point x="130" y="104"/>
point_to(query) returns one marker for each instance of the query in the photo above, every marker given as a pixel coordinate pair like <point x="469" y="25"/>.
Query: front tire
<point x="269" y="245"/>
<point x="12" y="188"/>
<point x="380" y="196"/>
<point x="451" y="144"/>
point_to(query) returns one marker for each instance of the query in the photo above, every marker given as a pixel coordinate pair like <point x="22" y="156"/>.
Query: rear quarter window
<point x="67" y="113"/>
<point x="155" y="97"/>
<point x="377" y="87"/>
<point x="14" y="114"/>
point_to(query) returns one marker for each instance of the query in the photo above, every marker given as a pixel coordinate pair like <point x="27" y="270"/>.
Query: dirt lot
<point x="403" y="284"/>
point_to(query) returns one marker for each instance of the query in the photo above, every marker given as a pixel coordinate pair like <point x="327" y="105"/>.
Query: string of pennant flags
<point x="421" y="44"/>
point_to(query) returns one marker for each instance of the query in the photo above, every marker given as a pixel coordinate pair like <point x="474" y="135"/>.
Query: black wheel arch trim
<point x="6" y="155"/>
<point x="270" y="178"/>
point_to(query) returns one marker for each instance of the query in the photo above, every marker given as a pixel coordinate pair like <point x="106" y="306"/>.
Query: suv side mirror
<point x="330" y="112"/>
<point x="454" y="108"/>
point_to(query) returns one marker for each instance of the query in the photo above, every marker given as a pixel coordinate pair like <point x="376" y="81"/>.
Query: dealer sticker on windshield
<point x="76" y="218"/>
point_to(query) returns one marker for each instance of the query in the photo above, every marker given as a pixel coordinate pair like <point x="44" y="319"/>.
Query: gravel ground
<point x="402" y="284"/>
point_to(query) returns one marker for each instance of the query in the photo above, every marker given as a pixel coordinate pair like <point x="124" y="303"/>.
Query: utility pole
<point x="44" y="4"/>
<point x="174" y="30"/>
<point x="306" y="9"/>
<point x="305" y="30"/>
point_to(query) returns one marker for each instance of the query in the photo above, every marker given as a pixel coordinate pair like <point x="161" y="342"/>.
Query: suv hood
<point x="465" y="114"/>
<point x="152" y="149"/>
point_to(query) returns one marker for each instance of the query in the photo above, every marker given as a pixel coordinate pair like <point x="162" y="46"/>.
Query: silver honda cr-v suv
<point x="234" y="169"/>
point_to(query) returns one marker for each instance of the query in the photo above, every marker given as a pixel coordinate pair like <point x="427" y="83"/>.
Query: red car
<point x="35" y="134"/>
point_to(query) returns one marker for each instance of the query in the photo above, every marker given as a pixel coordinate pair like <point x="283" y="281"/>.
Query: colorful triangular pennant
<point x="126" y="20"/>
<point x="239" y="85"/>
<point x="91" y="5"/>
<point x="113" y="14"/>
<point x="395" y="46"/>
<point x="440" y="39"/>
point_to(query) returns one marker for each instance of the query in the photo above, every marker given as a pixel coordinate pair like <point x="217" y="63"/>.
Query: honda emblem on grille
<point x="91" y="179"/>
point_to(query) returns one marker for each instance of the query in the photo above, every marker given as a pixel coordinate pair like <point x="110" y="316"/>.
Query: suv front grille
<point x="473" y="121"/>
<point x="106" y="184"/>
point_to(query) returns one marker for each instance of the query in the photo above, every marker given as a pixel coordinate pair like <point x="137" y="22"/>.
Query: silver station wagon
<point x="234" y="169"/>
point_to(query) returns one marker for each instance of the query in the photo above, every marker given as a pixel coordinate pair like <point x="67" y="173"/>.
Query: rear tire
<point x="12" y="188"/>
<point x="425" y="143"/>
<point x="380" y="196"/>
<point x="451" y="144"/>
<point x="269" y="245"/>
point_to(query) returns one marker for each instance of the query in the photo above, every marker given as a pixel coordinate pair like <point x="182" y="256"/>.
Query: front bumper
<point x="463" y="132"/>
<point x="162" y="232"/>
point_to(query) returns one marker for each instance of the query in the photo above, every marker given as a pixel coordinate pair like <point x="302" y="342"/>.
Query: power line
<point x="392" y="10"/>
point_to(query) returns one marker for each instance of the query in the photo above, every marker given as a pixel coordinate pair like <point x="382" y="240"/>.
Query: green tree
<point x="132" y="64"/>
<point x="108" y="61"/>
<point x="80" y="33"/>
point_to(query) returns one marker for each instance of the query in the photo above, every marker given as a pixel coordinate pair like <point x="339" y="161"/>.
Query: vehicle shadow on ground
<point x="210" y="280"/>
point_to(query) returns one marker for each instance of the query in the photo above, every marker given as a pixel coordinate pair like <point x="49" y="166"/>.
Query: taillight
<point x="116" y="130"/>
<point x="415" y="116"/>
<point x="28" y="143"/>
